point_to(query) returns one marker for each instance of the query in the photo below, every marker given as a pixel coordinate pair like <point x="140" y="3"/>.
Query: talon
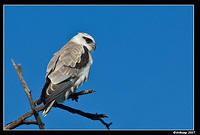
<point x="75" y="97"/>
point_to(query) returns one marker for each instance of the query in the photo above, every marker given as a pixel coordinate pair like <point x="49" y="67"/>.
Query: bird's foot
<point x="74" y="97"/>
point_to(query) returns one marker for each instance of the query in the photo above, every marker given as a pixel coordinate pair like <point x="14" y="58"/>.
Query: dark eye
<point x="88" y="40"/>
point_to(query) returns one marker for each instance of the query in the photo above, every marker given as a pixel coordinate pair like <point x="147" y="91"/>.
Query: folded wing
<point x="62" y="71"/>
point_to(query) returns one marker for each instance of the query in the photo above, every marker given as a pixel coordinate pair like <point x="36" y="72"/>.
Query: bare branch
<point x="18" y="122"/>
<point x="28" y="93"/>
<point x="84" y="92"/>
<point x="28" y="122"/>
<point x="87" y="115"/>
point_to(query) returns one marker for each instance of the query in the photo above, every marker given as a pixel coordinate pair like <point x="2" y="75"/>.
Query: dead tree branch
<point x="28" y="122"/>
<point x="19" y="121"/>
<point x="22" y="120"/>
<point x="28" y="93"/>
<point x="87" y="115"/>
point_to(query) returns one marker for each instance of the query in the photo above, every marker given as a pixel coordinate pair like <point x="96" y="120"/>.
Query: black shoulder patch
<point x="84" y="59"/>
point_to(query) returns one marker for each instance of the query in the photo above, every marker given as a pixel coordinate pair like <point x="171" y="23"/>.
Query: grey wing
<point x="60" y="70"/>
<point x="63" y="63"/>
<point x="52" y="64"/>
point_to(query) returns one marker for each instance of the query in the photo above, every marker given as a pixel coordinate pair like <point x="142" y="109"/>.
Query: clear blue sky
<point x="142" y="70"/>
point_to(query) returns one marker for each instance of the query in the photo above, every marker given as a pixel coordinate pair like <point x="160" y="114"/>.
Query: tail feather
<point x="45" y="112"/>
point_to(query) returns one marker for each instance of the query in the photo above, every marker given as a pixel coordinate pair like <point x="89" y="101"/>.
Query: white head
<point x="86" y="40"/>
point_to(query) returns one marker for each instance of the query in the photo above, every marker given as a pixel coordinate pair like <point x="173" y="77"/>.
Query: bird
<point x="67" y="70"/>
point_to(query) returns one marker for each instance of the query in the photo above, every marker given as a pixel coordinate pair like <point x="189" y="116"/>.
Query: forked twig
<point x="28" y="93"/>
